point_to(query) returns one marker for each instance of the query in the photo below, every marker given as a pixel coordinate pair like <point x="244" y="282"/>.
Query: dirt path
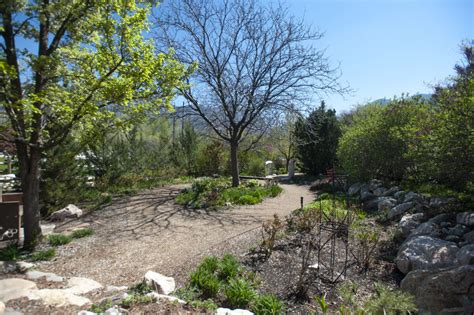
<point x="150" y="232"/>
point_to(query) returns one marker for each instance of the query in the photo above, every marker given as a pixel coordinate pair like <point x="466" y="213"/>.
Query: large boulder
<point x="51" y="277"/>
<point x="399" y="210"/>
<point x="465" y="256"/>
<point x="427" y="228"/>
<point x="366" y="195"/>
<point x="425" y="252"/>
<point x="71" y="211"/>
<point x="465" y="218"/>
<point x="448" y="291"/>
<point x="78" y="285"/>
<point x="13" y="288"/>
<point x="379" y="191"/>
<point x="160" y="283"/>
<point x="412" y="197"/>
<point x="58" y="297"/>
<point x="354" y="189"/>
<point x="409" y="222"/>
<point x="374" y="184"/>
<point x="391" y="191"/>
<point x="386" y="203"/>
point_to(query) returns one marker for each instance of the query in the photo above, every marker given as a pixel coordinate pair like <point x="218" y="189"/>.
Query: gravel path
<point x="150" y="232"/>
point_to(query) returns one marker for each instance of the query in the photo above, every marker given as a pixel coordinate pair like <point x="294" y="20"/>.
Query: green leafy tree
<point x="85" y="60"/>
<point x="317" y="137"/>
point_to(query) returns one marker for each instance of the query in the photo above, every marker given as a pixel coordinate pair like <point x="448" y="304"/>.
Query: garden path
<point x="150" y="232"/>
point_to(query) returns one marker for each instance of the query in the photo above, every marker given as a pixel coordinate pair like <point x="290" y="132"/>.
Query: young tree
<point x="253" y="62"/>
<point x="65" y="64"/>
<point x="316" y="138"/>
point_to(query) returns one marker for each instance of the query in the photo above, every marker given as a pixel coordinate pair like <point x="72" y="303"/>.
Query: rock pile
<point x="437" y="255"/>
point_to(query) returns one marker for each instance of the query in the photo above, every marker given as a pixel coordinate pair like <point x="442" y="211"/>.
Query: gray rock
<point x="458" y="230"/>
<point x="165" y="297"/>
<point x="372" y="205"/>
<point x="379" y="191"/>
<point x="399" y="195"/>
<point x="465" y="255"/>
<point x="354" y="189"/>
<point x="227" y="311"/>
<point x="78" y="285"/>
<point x="71" y="211"/>
<point x="412" y="197"/>
<point x="443" y="217"/>
<point x="445" y="289"/>
<point x="427" y="228"/>
<point x="58" y="297"/>
<point x="425" y="252"/>
<point x="374" y="184"/>
<point x="400" y="209"/>
<point x="161" y="283"/>
<point x="385" y="203"/>
<point x="391" y="191"/>
<point x="14" y="288"/>
<point x="452" y="238"/>
<point x="34" y="274"/>
<point x="469" y="237"/>
<point x="366" y="195"/>
<point x="445" y="224"/>
<point x="8" y="266"/>
<point x="465" y="218"/>
<point x="409" y="222"/>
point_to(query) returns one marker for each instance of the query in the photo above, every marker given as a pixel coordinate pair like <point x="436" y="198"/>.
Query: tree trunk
<point x="30" y="182"/>
<point x="234" y="163"/>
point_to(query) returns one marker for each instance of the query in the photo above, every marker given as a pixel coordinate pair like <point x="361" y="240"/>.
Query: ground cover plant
<point x="217" y="192"/>
<point x="224" y="281"/>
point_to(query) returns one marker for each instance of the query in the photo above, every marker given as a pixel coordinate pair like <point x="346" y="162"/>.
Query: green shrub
<point x="206" y="282"/>
<point x="267" y="305"/>
<point x="82" y="233"/>
<point x="248" y="200"/>
<point x="10" y="253"/>
<point x="43" y="255"/>
<point x="101" y="307"/>
<point x="239" y="293"/>
<point x="229" y="267"/>
<point x="208" y="305"/>
<point x="133" y="299"/>
<point x="140" y="288"/>
<point x="58" y="239"/>
<point x="389" y="301"/>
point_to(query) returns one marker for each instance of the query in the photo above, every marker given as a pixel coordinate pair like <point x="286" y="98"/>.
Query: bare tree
<point x="253" y="61"/>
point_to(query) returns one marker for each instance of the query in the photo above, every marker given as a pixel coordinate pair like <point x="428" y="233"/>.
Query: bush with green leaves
<point x="389" y="301"/>
<point x="82" y="233"/>
<point x="41" y="255"/>
<point x="10" y="253"/>
<point x="239" y="292"/>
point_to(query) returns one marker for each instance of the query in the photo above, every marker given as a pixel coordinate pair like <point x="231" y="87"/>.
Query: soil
<point x="149" y="231"/>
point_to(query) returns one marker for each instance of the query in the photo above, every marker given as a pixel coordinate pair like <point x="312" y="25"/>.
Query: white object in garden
<point x="268" y="168"/>
<point x="161" y="283"/>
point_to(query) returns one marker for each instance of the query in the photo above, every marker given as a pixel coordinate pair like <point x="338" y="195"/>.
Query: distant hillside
<point x="385" y="101"/>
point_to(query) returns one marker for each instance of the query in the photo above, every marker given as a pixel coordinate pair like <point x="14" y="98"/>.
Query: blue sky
<point x="389" y="47"/>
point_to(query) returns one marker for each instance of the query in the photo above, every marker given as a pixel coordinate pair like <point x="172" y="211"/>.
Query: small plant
<point x="322" y="304"/>
<point x="348" y="291"/>
<point x="82" y="233"/>
<point x="208" y="304"/>
<point x="135" y="299"/>
<point x="58" y="239"/>
<point x="270" y="231"/>
<point x="267" y="305"/>
<point x="239" y="293"/>
<point x="206" y="282"/>
<point x="10" y="253"/>
<point x="228" y="267"/>
<point x="141" y="288"/>
<point x="390" y="301"/>
<point x="101" y="307"/>
<point x="366" y="239"/>
<point x="43" y="255"/>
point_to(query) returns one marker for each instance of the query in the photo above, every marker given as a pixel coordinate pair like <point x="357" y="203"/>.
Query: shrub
<point x="43" y="255"/>
<point x="140" y="288"/>
<point x="82" y="233"/>
<point x="132" y="300"/>
<point x="58" y="239"/>
<point x="101" y="307"/>
<point x="366" y="239"/>
<point x="208" y="304"/>
<point x="239" y="293"/>
<point x="267" y="305"/>
<point x="10" y="253"/>
<point x="389" y="301"/>
<point x="248" y="200"/>
<point x="270" y="230"/>
<point x="206" y="282"/>
<point x="229" y="267"/>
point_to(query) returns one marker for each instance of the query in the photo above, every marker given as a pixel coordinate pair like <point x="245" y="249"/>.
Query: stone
<point x="112" y="288"/>
<point x="425" y="252"/>
<point x="399" y="210"/>
<point x="78" y="285"/>
<point x="354" y="189"/>
<point x="442" y="290"/>
<point x="412" y="197"/>
<point x="379" y="191"/>
<point x="86" y="313"/>
<point x="366" y="195"/>
<point x="443" y="217"/>
<point x="8" y="266"/>
<point x="2" y="308"/>
<point x="165" y="297"/>
<point x="399" y="194"/>
<point x="386" y="204"/>
<point x="457" y="230"/>
<point x="14" y="288"/>
<point x="58" y="297"/>
<point x="371" y="205"/>
<point x="469" y="237"/>
<point x="71" y="211"/>
<point x="23" y="266"/>
<point x="452" y="238"/>
<point x="47" y="229"/>
<point x="227" y="311"/>
<point x="34" y="274"/>
<point x="161" y="283"/>
<point x="465" y="255"/>
<point x="427" y="228"/>
<point x="465" y="218"/>
<point x="445" y="224"/>
<point x="114" y="310"/>
<point x="374" y="184"/>
<point x="409" y="222"/>
<point x="391" y="191"/>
